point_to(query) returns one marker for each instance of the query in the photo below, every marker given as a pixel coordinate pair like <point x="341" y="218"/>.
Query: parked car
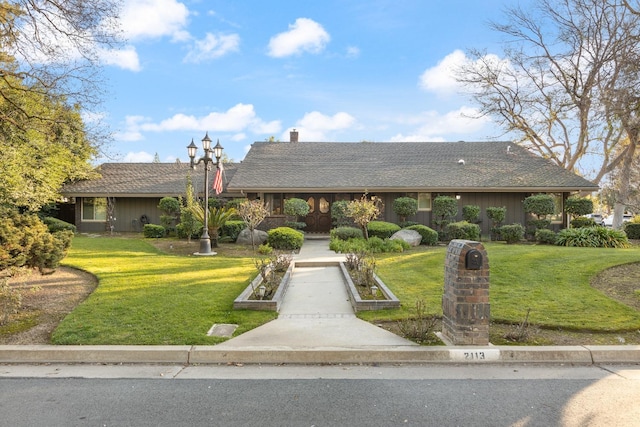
<point x="608" y="221"/>
<point x="597" y="218"/>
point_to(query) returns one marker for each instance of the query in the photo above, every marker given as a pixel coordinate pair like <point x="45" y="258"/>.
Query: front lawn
<point x="552" y="281"/>
<point x="148" y="297"/>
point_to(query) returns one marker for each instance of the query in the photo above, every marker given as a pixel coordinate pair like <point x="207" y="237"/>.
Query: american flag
<point x="217" y="181"/>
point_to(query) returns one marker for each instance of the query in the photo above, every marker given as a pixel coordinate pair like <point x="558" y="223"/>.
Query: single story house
<point x="476" y="173"/>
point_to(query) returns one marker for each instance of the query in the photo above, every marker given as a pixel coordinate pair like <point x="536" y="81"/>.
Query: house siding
<point x="128" y="212"/>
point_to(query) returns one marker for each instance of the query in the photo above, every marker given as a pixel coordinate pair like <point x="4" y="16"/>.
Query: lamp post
<point x="208" y="160"/>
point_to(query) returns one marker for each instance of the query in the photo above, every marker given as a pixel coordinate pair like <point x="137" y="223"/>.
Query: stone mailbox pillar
<point x="465" y="302"/>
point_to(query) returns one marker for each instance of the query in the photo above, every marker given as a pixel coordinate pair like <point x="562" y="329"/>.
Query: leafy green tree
<point x="189" y="225"/>
<point x="445" y="209"/>
<point x="297" y="208"/>
<point x="578" y="206"/>
<point x="405" y="207"/>
<point x="170" y="207"/>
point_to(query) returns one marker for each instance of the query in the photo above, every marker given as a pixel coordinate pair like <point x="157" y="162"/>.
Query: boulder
<point x="259" y="237"/>
<point x="412" y="237"/>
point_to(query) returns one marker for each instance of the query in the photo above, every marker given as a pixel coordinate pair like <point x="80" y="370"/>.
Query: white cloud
<point x="212" y="47"/>
<point x="315" y="125"/>
<point x="126" y="58"/>
<point x="440" y="79"/>
<point x="148" y="19"/>
<point x="433" y="126"/>
<point x="237" y="119"/>
<point x="305" y="35"/>
<point x="353" y="52"/>
<point x="139" y="157"/>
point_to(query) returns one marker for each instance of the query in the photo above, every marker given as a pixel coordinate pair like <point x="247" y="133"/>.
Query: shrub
<point x="382" y="229"/>
<point x="296" y="207"/>
<point x="471" y="213"/>
<point x="153" y="231"/>
<point x="592" y="237"/>
<point x="339" y="216"/>
<point x="232" y="229"/>
<point x="632" y="229"/>
<point x="577" y="206"/>
<point x="55" y="224"/>
<point x="405" y="224"/>
<point x="582" y="221"/>
<point x="265" y="249"/>
<point x="445" y="208"/>
<point x="497" y="216"/>
<point x="25" y="241"/>
<point x="373" y="245"/>
<point x="540" y="205"/>
<point x="170" y="207"/>
<point x="346" y="233"/>
<point x="511" y="233"/>
<point x="462" y="230"/>
<point x="404" y="207"/>
<point x="285" y="238"/>
<point x="429" y="236"/>
<point x="189" y="230"/>
<point x="545" y="237"/>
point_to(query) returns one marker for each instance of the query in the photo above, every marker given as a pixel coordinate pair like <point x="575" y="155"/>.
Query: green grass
<point x="553" y="281"/>
<point x="148" y="297"/>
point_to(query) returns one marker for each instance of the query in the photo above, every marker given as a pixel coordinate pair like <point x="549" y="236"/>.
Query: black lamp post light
<point x="211" y="155"/>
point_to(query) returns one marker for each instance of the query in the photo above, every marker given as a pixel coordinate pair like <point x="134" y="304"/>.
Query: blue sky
<point x="246" y="70"/>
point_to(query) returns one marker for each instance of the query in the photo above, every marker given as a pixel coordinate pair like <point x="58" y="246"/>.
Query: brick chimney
<point x="293" y="136"/>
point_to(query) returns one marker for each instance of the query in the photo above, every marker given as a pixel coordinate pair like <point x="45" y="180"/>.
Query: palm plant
<point x="217" y="218"/>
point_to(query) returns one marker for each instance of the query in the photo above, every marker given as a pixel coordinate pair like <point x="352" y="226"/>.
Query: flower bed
<point x="384" y="299"/>
<point x="246" y="300"/>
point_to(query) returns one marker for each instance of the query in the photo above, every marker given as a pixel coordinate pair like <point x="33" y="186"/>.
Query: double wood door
<point x="318" y="219"/>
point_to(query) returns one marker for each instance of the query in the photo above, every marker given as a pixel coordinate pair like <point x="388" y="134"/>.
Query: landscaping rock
<point x="259" y="237"/>
<point x="412" y="237"/>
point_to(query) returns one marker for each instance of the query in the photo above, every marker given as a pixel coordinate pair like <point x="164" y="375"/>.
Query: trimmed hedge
<point x="429" y="235"/>
<point x="511" y="233"/>
<point x="285" y="238"/>
<point x="232" y="229"/>
<point x="373" y="245"/>
<point x="346" y="233"/>
<point x="581" y="222"/>
<point x="55" y="224"/>
<point x="153" y="231"/>
<point x="462" y="230"/>
<point x="382" y="229"/>
<point x="632" y="229"/>
<point x="546" y="237"/>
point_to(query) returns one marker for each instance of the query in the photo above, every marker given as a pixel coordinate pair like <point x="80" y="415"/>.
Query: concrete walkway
<point x="316" y="311"/>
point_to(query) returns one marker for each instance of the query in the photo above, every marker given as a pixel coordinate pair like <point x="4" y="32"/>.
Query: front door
<point x="318" y="219"/>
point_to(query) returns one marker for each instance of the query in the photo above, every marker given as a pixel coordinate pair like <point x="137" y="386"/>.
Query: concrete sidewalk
<point x="316" y="324"/>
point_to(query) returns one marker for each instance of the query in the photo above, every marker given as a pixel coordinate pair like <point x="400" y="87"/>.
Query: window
<point x="94" y="209"/>
<point x="424" y="201"/>
<point x="275" y="203"/>
<point x="556" y="218"/>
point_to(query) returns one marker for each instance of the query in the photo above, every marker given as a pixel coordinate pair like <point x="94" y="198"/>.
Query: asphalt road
<point x="319" y="396"/>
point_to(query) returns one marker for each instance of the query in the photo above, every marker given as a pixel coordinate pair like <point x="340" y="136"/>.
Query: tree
<point x="188" y="224"/>
<point x="217" y="218"/>
<point x="48" y="77"/>
<point x="405" y="207"/>
<point x="445" y="209"/>
<point x="568" y="88"/>
<point x="253" y="212"/>
<point x="296" y="207"/>
<point x="364" y="211"/>
<point x="54" y="47"/>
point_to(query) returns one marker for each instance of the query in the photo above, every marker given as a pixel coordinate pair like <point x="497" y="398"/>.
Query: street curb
<point x="186" y="355"/>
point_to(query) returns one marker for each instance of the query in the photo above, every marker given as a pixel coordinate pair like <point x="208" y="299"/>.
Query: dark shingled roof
<point x="400" y="166"/>
<point x="143" y="180"/>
